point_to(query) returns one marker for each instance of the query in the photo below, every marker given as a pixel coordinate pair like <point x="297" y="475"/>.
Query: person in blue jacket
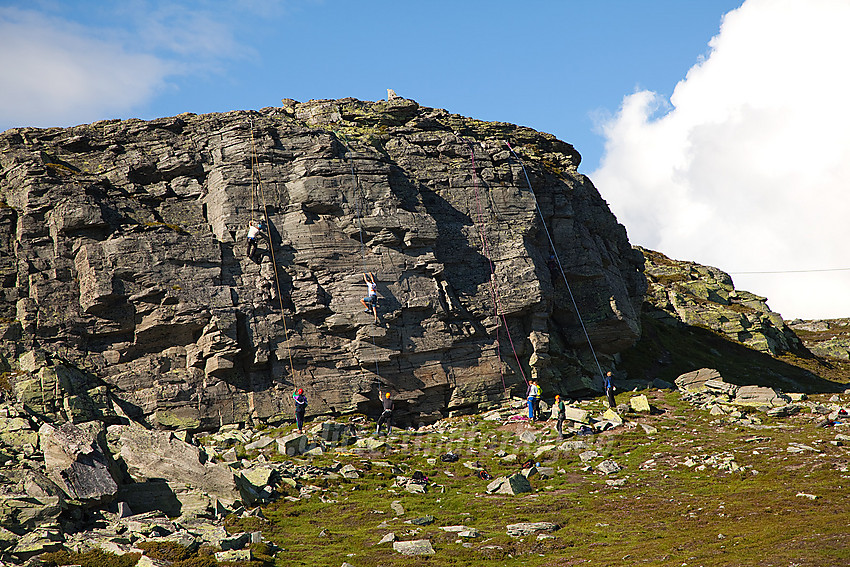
<point x="608" y="382"/>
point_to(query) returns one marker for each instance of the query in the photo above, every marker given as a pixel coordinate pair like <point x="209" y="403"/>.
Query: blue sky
<point x="715" y="129"/>
<point x="556" y="66"/>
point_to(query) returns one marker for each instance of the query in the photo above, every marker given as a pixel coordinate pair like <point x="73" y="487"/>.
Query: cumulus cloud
<point x="747" y="166"/>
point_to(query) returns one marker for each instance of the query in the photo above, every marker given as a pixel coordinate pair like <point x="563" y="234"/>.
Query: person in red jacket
<point x="300" y="407"/>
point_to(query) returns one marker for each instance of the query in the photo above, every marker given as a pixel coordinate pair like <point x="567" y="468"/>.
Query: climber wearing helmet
<point x="300" y="407"/>
<point x="386" y="415"/>
<point x="254" y="230"/>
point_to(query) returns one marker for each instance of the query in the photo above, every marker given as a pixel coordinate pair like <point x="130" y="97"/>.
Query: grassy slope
<point x="665" y="514"/>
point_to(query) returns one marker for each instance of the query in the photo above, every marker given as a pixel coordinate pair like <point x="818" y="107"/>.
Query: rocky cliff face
<point x="122" y="253"/>
<point x="703" y="296"/>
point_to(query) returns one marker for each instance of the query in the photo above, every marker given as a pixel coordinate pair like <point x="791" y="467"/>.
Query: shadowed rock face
<point x="122" y="250"/>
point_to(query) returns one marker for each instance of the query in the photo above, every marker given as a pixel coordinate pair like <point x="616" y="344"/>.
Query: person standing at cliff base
<point x="609" y="390"/>
<point x="300" y="407"/>
<point x="386" y="415"/>
<point x="254" y="230"/>
<point x="370" y="302"/>
<point x="533" y="396"/>
<point x="561" y="414"/>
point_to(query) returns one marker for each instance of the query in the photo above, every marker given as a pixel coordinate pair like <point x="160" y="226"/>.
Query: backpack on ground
<point x="449" y="458"/>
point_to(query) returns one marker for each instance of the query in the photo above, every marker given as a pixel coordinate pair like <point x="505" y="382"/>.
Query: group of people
<point x="533" y="398"/>
<point x="385" y="419"/>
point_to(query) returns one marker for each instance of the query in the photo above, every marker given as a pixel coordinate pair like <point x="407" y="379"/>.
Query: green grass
<point x="667" y="514"/>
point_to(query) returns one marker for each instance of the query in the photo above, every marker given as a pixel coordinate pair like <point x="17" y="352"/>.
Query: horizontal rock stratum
<point x="122" y="253"/>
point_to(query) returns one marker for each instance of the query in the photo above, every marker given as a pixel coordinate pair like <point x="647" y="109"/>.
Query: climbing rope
<point x="485" y="245"/>
<point x="254" y="169"/>
<point x="262" y="194"/>
<point x="359" y="211"/>
<point x="494" y="289"/>
<point x="558" y="260"/>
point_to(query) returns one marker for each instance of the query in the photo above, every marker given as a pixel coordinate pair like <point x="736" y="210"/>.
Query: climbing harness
<point x="557" y="259"/>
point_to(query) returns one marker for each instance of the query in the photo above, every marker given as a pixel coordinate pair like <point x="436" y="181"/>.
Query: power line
<point x="791" y="271"/>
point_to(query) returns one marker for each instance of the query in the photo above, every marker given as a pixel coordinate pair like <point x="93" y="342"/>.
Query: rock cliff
<point x="124" y="273"/>
<point x="693" y="294"/>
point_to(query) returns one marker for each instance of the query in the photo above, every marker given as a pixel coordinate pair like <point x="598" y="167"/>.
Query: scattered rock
<point x="783" y="411"/>
<point x="348" y="471"/>
<point x="587" y="456"/>
<point x="528" y="528"/>
<point x="640" y="404"/>
<point x="648" y="429"/>
<point x="608" y="466"/>
<point x="528" y="436"/>
<point x="423" y="521"/>
<point x="414" y="547"/>
<point x="370" y="443"/>
<point x="514" y="484"/>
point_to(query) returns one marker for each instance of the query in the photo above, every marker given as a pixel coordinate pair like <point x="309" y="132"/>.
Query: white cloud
<point x="58" y="73"/>
<point x="748" y="167"/>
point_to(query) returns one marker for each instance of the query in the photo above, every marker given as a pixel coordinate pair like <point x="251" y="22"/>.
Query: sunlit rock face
<point x="123" y="253"/>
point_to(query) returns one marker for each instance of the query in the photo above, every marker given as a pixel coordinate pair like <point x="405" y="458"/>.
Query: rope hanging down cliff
<point x="558" y="260"/>
<point x="255" y="174"/>
<point x="494" y="290"/>
<point x="359" y="208"/>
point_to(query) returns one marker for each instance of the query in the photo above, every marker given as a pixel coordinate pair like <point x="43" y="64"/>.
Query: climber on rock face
<point x="370" y="302"/>
<point x="254" y="230"/>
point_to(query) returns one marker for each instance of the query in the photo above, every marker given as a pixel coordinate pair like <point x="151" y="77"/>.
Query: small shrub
<point x="197" y="561"/>
<point x="91" y="558"/>
<point x="165" y="550"/>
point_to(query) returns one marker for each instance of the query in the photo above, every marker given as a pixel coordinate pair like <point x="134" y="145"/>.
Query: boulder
<point x="613" y="416"/>
<point x="150" y="454"/>
<point x="759" y="396"/>
<point x="414" y="547"/>
<point x="370" y="444"/>
<point x="640" y="404"/>
<point x="514" y="484"/>
<point x="608" y="466"/>
<point x="74" y="460"/>
<point x="333" y="432"/>
<point x="694" y="382"/>
<point x="292" y="444"/>
<point x="527" y="436"/>
<point x="529" y="528"/>
<point x="575" y="414"/>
